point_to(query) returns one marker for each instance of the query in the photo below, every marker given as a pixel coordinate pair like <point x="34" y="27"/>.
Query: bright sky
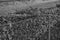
<point x="33" y="2"/>
<point x="40" y="1"/>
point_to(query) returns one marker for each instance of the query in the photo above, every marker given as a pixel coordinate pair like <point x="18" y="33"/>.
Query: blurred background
<point x="10" y="6"/>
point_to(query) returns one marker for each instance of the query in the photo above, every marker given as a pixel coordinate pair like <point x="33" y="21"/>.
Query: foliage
<point x="35" y="24"/>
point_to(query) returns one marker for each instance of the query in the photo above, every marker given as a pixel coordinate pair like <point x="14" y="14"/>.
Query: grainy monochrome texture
<point x="32" y="23"/>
